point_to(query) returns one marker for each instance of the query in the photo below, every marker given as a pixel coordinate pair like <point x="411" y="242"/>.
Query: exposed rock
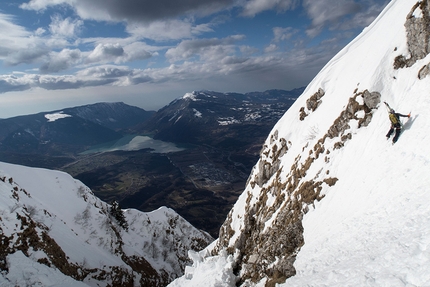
<point x="371" y="100"/>
<point x="418" y="35"/>
<point x="312" y="104"/>
<point x="425" y="70"/>
<point x="268" y="169"/>
<point x="315" y="100"/>
<point x="303" y="114"/>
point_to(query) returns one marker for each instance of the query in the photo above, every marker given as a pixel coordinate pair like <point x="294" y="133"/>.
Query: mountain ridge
<point x="50" y="219"/>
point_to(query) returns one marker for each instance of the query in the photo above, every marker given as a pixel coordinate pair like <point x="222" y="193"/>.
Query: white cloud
<point x="105" y="71"/>
<point x="166" y="30"/>
<point x="12" y="36"/>
<point x="162" y="30"/>
<point x="282" y="34"/>
<point x="43" y="4"/>
<point x="68" y="27"/>
<point x="106" y="53"/>
<point x="271" y="48"/>
<point x="39" y="31"/>
<point x="136" y="51"/>
<point x="29" y="54"/>
<point x="13" y="83"/>
<point x="61" y="61"/>
<point x="208" y="49"/>
<point x="253" y="7"/>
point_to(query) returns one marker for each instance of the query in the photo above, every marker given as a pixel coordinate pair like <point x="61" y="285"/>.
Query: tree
<point x="118" y="214"/>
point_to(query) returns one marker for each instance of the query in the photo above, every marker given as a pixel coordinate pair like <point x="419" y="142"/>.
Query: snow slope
<point x="371" y="227"/>
<point x="55" y="232"/>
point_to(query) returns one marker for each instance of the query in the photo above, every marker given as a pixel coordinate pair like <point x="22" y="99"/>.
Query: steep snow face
<point x="55" y="232"/>
<point x="331" y="201"/>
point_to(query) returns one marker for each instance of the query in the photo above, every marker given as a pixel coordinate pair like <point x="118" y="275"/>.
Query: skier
<point x="395" y="123"/>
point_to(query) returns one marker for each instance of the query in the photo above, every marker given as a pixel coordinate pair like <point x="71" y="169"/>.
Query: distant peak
<point x="192" y="96"/>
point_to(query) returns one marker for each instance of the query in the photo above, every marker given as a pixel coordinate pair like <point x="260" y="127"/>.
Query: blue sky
<point x="61" y="53"/>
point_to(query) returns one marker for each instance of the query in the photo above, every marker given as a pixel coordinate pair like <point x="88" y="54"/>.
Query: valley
<point x="193" y="155"/>
<point x="201" y="183"/>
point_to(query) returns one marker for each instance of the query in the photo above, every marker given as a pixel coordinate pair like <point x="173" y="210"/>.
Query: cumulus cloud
<point x="61" y="61"/>
<point x="213" y="48"/>
<point x="253" y="7"/>
<point x="9" y="83"/>
<point x="49" y="82"/>
<point x="162" y="30"/>
<point x="106" y="53"/>
<point x="105" y="72"/>
<point x="136" y="51"/>
<point x="282" y="34"/>
<point x="68" y="27"/>
<point x="27" y="55"/>
<point x="271" y="48"/>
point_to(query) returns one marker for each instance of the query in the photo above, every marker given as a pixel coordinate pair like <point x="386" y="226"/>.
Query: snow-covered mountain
<point x="331" y="201"/>
<point x="55" y="232"/>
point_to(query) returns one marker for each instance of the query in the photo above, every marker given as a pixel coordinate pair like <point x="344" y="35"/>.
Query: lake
<point x="132" y="143"/>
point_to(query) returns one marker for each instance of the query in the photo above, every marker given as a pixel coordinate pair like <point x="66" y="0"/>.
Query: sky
<point x="61" y="53"/>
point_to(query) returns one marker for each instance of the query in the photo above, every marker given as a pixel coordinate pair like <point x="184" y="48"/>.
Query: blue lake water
<point x="133" y="143"/>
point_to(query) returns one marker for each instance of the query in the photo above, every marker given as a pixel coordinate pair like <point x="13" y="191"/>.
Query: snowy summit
<point x="332" y="201"/>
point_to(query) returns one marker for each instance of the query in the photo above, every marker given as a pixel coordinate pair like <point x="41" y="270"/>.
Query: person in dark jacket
<point x="395" y="124"/>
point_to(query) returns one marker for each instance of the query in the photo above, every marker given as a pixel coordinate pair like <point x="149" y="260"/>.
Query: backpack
<point x="394" y="119"/>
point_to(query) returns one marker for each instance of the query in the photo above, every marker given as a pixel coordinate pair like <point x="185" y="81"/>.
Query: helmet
<point x="392" y="111"/>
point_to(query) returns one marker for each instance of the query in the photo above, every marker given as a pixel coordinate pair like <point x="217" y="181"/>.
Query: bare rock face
<point x="315" y="100"/>
<point x="312" y="103"/>
<point x="371" y="100"/>
<point x="418" y="35"/>
<point x="424" y="72"/>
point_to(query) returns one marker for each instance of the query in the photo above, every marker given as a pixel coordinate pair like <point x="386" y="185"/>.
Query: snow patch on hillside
<point x="192" y="96"/>
<point x="56" y="116"/>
